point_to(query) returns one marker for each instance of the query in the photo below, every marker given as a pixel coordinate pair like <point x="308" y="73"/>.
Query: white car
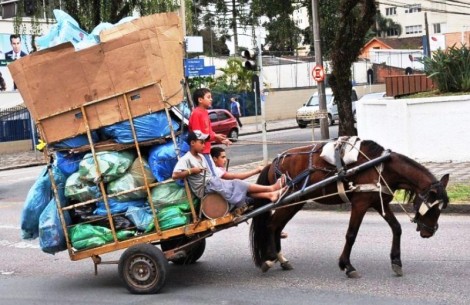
<point x="308" y="113"/>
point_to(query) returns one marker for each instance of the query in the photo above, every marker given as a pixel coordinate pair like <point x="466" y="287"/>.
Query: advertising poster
<point x="11" y="48"/>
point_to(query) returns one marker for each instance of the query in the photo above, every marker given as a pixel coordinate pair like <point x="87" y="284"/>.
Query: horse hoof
<point x="397" y="269"/>
<point x="353" y="274"/>
<point x="287" y="266"/>
<point x="266" y="266"/>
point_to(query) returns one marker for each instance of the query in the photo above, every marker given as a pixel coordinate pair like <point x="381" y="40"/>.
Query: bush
<point x="450" y="69"/>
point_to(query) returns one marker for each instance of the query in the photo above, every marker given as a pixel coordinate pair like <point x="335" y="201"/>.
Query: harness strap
<point x="369" y="187"/>
<point x="342" y="192"/>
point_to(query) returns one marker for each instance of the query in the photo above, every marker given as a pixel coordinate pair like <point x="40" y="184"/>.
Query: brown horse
<point x="370" y="188"/>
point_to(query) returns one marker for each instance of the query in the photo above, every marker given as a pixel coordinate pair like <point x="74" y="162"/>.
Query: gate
<point x="15" y="124"/>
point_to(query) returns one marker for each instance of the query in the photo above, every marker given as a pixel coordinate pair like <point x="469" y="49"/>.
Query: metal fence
<point x="15" y="124"/>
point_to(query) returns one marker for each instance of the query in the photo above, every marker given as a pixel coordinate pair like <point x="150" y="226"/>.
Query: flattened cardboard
<point x="142" y="59"/>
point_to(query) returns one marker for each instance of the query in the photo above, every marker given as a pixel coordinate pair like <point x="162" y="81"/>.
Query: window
<point x="213" y="116"/>
<point x="414" y="29"/>
<point x="392" y="32"/>
<point x="390" y="11"/>
<point x="222" y="116"/>
<point x="413" y="8"/>
<point x="437" y="28"/>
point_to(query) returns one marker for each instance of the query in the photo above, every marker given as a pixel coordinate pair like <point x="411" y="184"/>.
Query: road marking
<point x="3" y="272"/>
<point x="19" y="245"/>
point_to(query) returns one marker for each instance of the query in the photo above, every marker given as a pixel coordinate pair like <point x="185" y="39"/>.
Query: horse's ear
<point x="445" y="180"/>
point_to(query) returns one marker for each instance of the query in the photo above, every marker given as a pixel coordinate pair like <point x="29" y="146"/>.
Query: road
<point x="436" y="270"/>
<point x="249" y="148"/>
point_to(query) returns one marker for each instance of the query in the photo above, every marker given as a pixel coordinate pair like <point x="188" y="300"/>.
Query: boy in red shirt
<point x="199" y="120"/>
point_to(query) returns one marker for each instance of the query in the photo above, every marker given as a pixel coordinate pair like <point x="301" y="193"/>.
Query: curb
<point x="5" y="168"/>
<point x="270" y="130"/>
<point x="452" y="208"/>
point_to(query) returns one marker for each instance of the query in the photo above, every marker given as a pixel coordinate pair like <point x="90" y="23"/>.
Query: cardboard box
<point x="141" y="60"/>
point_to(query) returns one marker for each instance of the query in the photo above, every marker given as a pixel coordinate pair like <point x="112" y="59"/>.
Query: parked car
<point x="373" y="96"/>
<point x="222" y="121"/>
<point x="306" y="114"/>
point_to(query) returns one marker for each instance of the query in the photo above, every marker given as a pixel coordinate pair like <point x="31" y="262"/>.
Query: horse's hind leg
<point x="395" y="253"/>
<point x="357" y="214"/>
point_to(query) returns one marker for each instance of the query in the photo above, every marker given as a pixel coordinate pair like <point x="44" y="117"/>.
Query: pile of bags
<point x="77" y="180"/>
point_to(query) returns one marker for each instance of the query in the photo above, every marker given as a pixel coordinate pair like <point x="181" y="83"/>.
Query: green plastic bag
<point x="134" y="178"/>
<point x="170" y="217"/>
<point x="80" y="190"/>
<point x="170" y="194"/>
<point x="113" y="164"/>
<point x="84" y="236"/>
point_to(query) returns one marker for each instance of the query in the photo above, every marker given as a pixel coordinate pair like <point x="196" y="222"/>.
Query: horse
<point x="369" y="188"/>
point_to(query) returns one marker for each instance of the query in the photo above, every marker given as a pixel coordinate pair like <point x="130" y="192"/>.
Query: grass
<point x="457" y="193"/>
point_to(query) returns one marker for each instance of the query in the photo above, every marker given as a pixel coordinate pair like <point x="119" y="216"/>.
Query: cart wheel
<point x="194" y="253"/>
<point x="143" y="269"/>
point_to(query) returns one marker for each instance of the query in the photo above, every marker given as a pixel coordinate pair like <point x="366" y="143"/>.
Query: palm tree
<point x="383" y="25"/>
<point x="237" y="78"/>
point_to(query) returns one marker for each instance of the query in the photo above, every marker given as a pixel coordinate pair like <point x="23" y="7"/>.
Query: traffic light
<point x="250" y="60"/>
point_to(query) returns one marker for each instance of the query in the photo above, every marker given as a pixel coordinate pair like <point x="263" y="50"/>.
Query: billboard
<point x="11" y="48"/>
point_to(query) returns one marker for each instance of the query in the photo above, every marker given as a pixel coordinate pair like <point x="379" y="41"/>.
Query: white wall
<point x="426" y="129"/>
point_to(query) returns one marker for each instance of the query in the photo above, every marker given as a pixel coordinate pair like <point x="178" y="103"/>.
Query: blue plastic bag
<point x="51" y="234"/>
<point x="76" y="141"/>
<point x="36" y="201"/>
<point x="140" y="217"/>
<point x="116" y="206"/>
<point x="162" y="159"/>
<point x="68" y="163"/>
<point x="148" y="127"/>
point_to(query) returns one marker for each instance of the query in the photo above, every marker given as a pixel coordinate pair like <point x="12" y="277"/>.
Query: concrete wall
<point x="15" y="146"/>
<point x="425" y="129"/>
<point x="283" y="104"/>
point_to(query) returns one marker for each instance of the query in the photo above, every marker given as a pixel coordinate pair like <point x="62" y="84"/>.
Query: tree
<point x="227" y="15"/>
<point x="355" y="19"/>
<point x="237" y="78"/>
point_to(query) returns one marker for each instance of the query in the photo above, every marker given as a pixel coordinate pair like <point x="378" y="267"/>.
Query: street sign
<point x="194" y="67"/>
<point x="318" y="73"/>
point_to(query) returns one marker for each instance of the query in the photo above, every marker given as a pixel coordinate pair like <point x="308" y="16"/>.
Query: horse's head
<point x="428" y="206"/>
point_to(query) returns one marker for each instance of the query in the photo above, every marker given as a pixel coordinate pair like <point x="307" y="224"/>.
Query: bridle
<point x="425" y="206"/>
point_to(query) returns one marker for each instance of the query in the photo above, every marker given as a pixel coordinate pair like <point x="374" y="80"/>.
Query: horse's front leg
<point x="395" y="253"/>
<point x="358" y="211"/>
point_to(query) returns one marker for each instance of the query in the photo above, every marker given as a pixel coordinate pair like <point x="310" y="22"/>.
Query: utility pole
<point x="324" y="131"/>
<point x="428" y="47"/>
<point x="182" y="13"/>
<point x="262" y="98"/>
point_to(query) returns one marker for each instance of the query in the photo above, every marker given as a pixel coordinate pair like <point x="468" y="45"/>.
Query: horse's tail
<point x="259" y="224"/>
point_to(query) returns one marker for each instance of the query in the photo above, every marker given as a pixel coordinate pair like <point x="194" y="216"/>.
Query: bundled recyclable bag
<point x="148" y="127"/>
<point x="170" y="194"/>
<point x="77" y="189"/>
<point x="67" y="163"/>
<point x="140" y="217"/>
<point x="65" y="30"/>
<point x="162" y="159"/>
<point x="112" y="164"/>
<point x="168" y="218"/>
<point x="116" y="206"/>
<point x="76" y="141"/>
<point x="51" y="234"/>
<point x="36" y="201"/>
<point x="84" y="236"/>
<point x="132" y="179"/>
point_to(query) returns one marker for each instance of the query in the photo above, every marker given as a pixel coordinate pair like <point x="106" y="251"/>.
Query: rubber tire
<point x="195" y="252"/>
<point x="302" y="126"/>
<point x="143" y="258"/>
<point x="233" y="135"/>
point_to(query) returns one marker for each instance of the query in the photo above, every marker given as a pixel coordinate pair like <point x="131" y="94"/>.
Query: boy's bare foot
<point x="277" y="194"/>
<point x="280" y="183"/>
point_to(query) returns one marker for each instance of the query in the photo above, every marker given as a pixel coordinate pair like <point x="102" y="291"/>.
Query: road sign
<point x="318" y="73"/>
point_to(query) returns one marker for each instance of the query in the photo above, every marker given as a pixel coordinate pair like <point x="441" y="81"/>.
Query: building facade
<point x="447" y="21"/>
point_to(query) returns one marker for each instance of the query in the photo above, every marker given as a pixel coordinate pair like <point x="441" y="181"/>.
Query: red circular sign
<point x="318" y="73"/>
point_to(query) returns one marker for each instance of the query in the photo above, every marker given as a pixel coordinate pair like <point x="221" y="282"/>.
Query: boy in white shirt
<point x="194" y="167"/>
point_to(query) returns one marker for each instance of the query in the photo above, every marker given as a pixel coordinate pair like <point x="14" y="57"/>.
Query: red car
<point x="224" y="122"/>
